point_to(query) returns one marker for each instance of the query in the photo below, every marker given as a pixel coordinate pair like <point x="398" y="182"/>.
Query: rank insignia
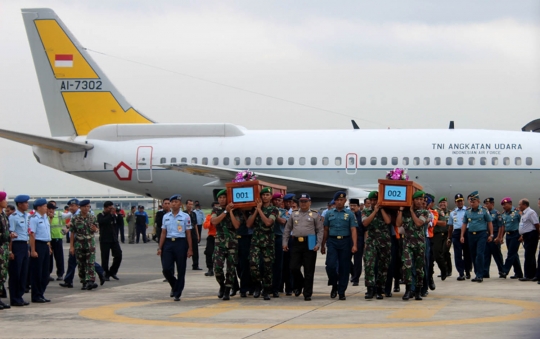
<point x="296" y="221"/>
<point x="346" y="216"/>
<point x="296" y="213"/>
<point x="469" y="219"/>
<point x="310" y="214"/>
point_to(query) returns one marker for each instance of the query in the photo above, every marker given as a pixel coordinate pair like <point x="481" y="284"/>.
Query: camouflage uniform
<point x="226" y="248"/>
<point x="4" y="249"/>
<point x="378" y="250"/>
<point x="414" y="247"/>
<point x="262" y="245"/>
<point x="85" y="246"/>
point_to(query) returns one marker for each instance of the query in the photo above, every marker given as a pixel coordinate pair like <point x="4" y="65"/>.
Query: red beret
<point x="277" y="196"/>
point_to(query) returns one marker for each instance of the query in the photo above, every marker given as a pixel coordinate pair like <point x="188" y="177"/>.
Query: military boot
<point x="221" y="288"/>
<point x="266" y="295"/>
<point x="407" y="294"/>
<point x="84" y="287"/>
<point x="257" y="290"/>
<point x="396" y="286"/>
<point x="417" y="293"/>
<point x="370" y="292"/>
<point x="379" y="293"/>
<point x="227" y="293"/>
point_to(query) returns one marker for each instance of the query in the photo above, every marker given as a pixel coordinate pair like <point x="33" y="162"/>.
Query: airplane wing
<point x="224" y="175"/>
<point x="61" y="146"/>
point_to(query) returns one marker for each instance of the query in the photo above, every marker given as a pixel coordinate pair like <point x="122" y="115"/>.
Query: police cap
<point x="458" y="197"/>
<point x="51" y="206"/>
<point x="304" y="196"/>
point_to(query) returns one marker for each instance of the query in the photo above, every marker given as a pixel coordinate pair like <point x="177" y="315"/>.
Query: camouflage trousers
<point x="85" y="253"/>
<point x="378" y="254"/>
<point x="225" y="253"/>
<point x="413" y="253"/>
<point x="4" y="260"/>
<point x="262" y="250"/>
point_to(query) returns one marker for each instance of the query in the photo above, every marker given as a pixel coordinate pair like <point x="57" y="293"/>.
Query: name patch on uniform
<point x="179" y="224"/>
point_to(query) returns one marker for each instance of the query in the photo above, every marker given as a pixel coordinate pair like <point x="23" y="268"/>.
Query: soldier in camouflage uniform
<point x="413" y="222"/>
<point x="227" y="221"/>
<point x="4" y="245"/>
<point x="83" y="245"/>
<point x="378" y="246"/>
<point x="262" y="220"/>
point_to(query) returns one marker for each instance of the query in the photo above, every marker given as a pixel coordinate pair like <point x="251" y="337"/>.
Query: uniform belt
<point x="21" y="241"/>
<point x="300" y="239"/>
<point x="174" y="239"/>
<point x="477" y="232"/>
<point x="44" y="242"/>
<point x="511" y="232"/>
<point x="339" y="236"/>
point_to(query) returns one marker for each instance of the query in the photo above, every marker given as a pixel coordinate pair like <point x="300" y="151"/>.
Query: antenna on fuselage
<point x="354" y="125"/>
<point x="451" y="125"/>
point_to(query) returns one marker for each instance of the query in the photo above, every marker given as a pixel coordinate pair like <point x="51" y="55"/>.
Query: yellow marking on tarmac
<point x="417" y="311"/>
<point x="207" y="312"/>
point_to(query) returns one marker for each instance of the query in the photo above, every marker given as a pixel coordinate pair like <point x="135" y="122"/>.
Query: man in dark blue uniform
<point x="494" y="248"/>
<point x="356" y="270"/>
<point x="461" y="250"/>
<point x="39" y="231"/>
<point x="511" y="220"/>
<point x="18" y="260"/>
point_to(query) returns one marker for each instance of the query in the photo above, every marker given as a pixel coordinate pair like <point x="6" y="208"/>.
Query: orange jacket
<point x="435" y="220"/>
<point x="208" y="226"/>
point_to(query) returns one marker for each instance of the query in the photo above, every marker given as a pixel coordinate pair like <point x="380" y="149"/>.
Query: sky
<point x="283" y="65"/>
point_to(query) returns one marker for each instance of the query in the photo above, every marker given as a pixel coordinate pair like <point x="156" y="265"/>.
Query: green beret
<point x="222" y="192"/>
<point x="373" y="195"/>
<point x="418" y="194"/>
<point x="442" y="199"/>
<point x="266" y="190"/>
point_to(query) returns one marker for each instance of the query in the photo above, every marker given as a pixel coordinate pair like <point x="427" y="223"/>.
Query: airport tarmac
<point x="138" y="306"/>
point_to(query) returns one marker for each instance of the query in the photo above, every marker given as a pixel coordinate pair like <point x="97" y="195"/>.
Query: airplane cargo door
<point x="351" y="164"/>
<point x="144" y="163"/>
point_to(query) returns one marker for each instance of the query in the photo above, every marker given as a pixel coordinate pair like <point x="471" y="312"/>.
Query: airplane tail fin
<point x="78" y="97"/>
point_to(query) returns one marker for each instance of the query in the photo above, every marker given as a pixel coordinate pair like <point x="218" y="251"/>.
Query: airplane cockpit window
<point x="226" y="161"/>
<point x="183" y="160"/>
<point x="269" y="161"/>
<point x="258" y="161"/>
<point x="215" y="161"/>
<point x="338" y="161"/>
<point x="384" y="161"/>
<point x="528" y="161"/>
<point x="460" y="161"/>
<point x="237" y="161"/>
<point x="325" y="161"/>
<point x="494" y="161"/>
<point x="163" y="160"/>
<point x="483" y="161"/>
<point x="373" y="161"/>
<point x="204" y="161"/>
<point x="394" y="161"/>
<point x="471" y="161"/>
<point x="506" y="161"/>
<point x="280" y="161"/>
<point x="416" y="161"/>
<point x="314" y="161"/>
<point x="518" y="161"/>
<point x="363" y="161"/>
<point x="193" y="160"/>
<point x="173" y="160"/>
<point x="426" y="161"/>
<point x="247" y="161"/>
<point x="406" y="161"/>
<point x="437" y="161"/>
<point x="302" y="161"/>
<point x="291" y="161"/>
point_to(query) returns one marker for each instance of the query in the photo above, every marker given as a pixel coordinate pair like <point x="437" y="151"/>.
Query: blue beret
<point x="288" y="196"/>
<point x="340" y="194"/>
<point x="175" y="197"/>
<point x="21" y="198"/>
<point x="305" y="196"/>
<point x="40" y="202"/>
<point x="474" y="195"/>
<point x="73" y="201"/>
<point x="84" y="203"/>
<point x="428" y="199"/>
<point x="332" y="202"/>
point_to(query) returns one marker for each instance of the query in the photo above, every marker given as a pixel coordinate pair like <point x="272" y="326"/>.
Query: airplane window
<point x="193" y="160"/>
<point x="449" y="161"/>
<point x="518" y="161"/>
<point x="406" y="161"/>
<point x="291" y="161"/>
<point x="352" y="161"/>
<point x="394" y="160"/>
<point x="280" y="161"/>
<point x="363" y="161"/>
<point x="258" y="161"/>
<point x="373" y="161"/>
<point x="325" y="161"/>
<point x="215" y="161"/>
<point x="471" y="161"/>
<point x="314" y="161"/>
<point x="204" y="161"/>
<point x="426" y="161"/>
<point x="384" y="161"/>
<point x="338" y="161"/>
<point x="163" y="161"/>
<point x="183" y="160"/>
<point x="416" y="161"/>
<point x="437" y="161"/>
<point x="495" y="161"/>
<point x="236" y="161"/>
<point x="302" y="161"/>
<point x="483" y="161"/>
<point x="506" y="161"/>
<point x="460" y="161"/>
<point x="528" y="161"/>
<point x="269" y="161"/>
<point x="173" y="160"/>
<point x="247" y="161"/>
<point x="226" y="161"/>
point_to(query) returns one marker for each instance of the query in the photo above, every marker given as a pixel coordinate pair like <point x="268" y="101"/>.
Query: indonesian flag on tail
<point x="63" y="60"/>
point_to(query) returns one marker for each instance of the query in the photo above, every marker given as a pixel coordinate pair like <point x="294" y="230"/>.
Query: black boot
<point x="431" y="284"/>
<point x="210" y="273"/>
<point x="266" y="295"/>
<point x="407" y="294"/>
<point x="379" y="294"/>
<point x="370" y="292"/>
<point x="417" y="293"/>
<point x="257" y="291"/>
<point x="84" y="287"/>
<point x="396" y="286"/>
<point x="227" y="293"/>
<point x="221" y="288"/>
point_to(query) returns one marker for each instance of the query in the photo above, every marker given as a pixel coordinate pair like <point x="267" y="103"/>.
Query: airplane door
<point x="144" y="163"/>
<point x="351" y="164"/>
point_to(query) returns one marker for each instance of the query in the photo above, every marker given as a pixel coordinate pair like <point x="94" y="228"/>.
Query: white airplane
<point x="98" y="135"/>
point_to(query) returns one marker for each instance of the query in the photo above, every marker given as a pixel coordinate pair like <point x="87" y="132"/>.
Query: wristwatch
<point x="225" y="212"/>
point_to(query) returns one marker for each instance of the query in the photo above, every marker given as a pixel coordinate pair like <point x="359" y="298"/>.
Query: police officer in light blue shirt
<point x="461" y="250"/>
<point x="175" y="245"/>
<point x="18" y="266"/>
<point x="40" y="250"/>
